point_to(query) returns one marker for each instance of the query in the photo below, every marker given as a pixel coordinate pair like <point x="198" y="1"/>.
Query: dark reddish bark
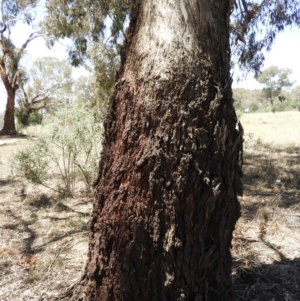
<point x="9" y="127"/>
<point x="169" y="175"/>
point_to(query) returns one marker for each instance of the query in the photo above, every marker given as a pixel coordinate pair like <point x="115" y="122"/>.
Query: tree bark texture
<point x="9" y="127"/>
<point x="169" y="175"/>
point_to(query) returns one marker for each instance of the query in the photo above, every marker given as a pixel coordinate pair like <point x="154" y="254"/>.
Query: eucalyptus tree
<point x="86" y="22"/>
<point x="46" y="83"/>
<point x="275" y="80"/>
<point x="296" y="96"/>
<point x="170" y="173"/>
<point x="13" y="13"/>
<point x="95" y="45"/>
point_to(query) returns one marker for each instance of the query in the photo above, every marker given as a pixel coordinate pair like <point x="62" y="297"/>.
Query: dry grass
<point x="43" y="239"/>
<point x="266" y="245"/>
<point x="279" y="129"/>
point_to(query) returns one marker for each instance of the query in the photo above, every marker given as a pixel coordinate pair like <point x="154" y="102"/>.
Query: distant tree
<point x="245" y="98"/>
<point x="295" y="93"/>
<point x="45" y="83"/>
<point x="275" y="81"/>
<point x="13" y="12"/>
<point x="85" y="23"/>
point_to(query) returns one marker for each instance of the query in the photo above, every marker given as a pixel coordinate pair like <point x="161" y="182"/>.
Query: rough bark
<point x="169" y="176"/>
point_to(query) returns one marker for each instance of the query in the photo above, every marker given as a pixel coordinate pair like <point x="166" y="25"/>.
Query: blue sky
<point x="284" y="54"/>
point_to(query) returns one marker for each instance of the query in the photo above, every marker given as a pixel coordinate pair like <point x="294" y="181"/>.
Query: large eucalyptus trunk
<point x="169" y="175"/>
<point x="9" y="127"/>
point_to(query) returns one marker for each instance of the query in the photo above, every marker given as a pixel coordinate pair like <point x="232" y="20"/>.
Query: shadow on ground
<point x="269" y="213"/>
<point x="266" y="282"/>
<point x="24" y="229"/>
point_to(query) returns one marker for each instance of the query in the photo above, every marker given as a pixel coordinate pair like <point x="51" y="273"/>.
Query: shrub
<point x="69" y="152"/>
<point x="35" y="118"/>
<point x="253" y="107"/>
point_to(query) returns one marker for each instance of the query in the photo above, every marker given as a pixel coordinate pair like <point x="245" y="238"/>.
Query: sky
<point x="284" y="54"/>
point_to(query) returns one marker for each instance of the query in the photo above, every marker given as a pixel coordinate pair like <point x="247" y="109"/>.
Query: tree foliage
<point x="274" y="80"/>
<point x="85" y="22"/>
<point x="96" y="28"/>
<point x="255" y="25"/>
<point x="47" y="80"/>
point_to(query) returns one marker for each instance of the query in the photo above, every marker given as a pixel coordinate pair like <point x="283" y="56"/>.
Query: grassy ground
<point x="43" y="238"/>
<point x="266" y="245"/>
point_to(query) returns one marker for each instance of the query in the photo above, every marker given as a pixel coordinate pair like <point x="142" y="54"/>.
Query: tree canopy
<point x="86" y="22"/>
<point x="254" y="25"/>
<point x="47" y="80"/>
<point x="274" y="80"/>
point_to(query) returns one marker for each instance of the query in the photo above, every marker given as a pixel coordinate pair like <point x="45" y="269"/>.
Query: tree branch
<point x="31" y="37"/>
<point x="38" y="108"/>
<point x="25" y="95"/>
<point x="46" y="98"/>
<point x="14" y="79"/>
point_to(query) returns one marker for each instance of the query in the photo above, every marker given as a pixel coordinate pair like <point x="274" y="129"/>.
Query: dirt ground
<point x="43" y="237"/>
<point x="266" y="244"/>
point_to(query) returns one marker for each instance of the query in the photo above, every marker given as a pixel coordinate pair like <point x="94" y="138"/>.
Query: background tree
<point x="95" y="45"/>
<point x="296" y="96"/>
<point x="48" y="80"/>
<point x="95" y="89"/>
<point x="13" y="12"/>
<point x="275" y="81"/>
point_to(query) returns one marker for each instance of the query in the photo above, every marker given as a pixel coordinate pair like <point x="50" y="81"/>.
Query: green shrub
<point x="69" y="152"/>
<point x="35" y="118"/>
<point x="253" y="107"/>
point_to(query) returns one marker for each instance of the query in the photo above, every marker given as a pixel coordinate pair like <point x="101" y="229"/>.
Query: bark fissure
<point x="169" y="175"/>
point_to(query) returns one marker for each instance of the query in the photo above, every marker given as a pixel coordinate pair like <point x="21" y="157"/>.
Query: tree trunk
<point x="25" y="119"/>
<point x="169" y="175"/>
<point x="26" y="111"/>
<point x="9" y="127"/>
